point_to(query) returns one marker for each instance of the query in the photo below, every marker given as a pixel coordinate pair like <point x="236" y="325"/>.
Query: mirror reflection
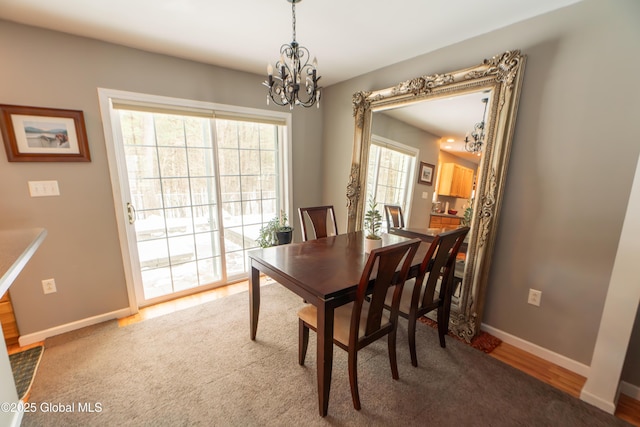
<point x="425" y="158"/>
<point x="420" y="145"/>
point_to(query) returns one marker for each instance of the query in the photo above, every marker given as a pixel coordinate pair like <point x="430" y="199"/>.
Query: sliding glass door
<point x="198" y="191"/>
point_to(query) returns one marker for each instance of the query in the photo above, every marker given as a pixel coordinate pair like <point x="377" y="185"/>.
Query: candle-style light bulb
<point x="269" y="70"/>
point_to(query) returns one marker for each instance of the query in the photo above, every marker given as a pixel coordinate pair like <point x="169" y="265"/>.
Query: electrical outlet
<point x="49" y="286"/>
<point x="534" y="297"/>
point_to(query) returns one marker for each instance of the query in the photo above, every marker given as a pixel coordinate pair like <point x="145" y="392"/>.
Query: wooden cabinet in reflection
<point x="448" y="222"/>
<point x="8" y="320"/>
<point x="455" y="181"/>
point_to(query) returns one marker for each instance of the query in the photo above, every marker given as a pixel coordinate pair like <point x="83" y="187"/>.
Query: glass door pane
<point x="172" y="179"/>
<point x="249" y="185"/>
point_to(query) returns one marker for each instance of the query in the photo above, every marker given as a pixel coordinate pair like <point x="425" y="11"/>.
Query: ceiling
<point x="447" y="118"/>
<point x="349" y="38"/>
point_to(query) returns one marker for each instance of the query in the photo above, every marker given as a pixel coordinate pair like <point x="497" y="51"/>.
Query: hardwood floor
<point x="185" y="302"/>
<point x="554" y="375"/>
<point x="628" y="409"/>
<point x="569" y="382"/>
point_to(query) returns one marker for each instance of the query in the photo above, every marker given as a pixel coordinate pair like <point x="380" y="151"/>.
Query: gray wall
<point x="49" y="69"/>
<point x="572" y="164"/>
<point x="631" y="370"/>
<point x="573" y="160"/>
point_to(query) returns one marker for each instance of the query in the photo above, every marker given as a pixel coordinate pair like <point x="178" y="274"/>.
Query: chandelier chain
<point x="293" y="12"/>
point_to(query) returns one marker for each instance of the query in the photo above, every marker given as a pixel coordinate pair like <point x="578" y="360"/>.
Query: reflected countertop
<point x="446" y="215"/>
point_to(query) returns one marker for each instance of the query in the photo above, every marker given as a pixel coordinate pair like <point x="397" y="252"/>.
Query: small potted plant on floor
<point x="275" y="232"/>
<point x="372" y="225"/>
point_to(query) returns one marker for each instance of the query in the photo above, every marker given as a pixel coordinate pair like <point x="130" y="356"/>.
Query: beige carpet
<point x="199" y="367"/>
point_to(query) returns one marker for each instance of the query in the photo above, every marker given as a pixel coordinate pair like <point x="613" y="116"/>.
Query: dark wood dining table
<point x="425" y="234"/>
<point x="324" y="272"/>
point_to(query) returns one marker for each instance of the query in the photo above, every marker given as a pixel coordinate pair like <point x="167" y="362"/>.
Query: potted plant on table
<point x="468" y="213"/>
<point x="275" y="232"/>
<point x="372" y="225"/>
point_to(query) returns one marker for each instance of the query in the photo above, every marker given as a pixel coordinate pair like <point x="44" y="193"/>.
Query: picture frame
<point x="34" y="134"/>
<point x="425" y="174"/>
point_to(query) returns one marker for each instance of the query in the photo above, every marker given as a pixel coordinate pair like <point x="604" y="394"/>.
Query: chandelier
<point x="475" y="145"/>
<point x="296" y="82"/>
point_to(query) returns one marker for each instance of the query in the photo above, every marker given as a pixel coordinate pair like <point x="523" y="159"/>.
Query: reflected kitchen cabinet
<point x="448" y="222"/>
<point x="455" y="181"/>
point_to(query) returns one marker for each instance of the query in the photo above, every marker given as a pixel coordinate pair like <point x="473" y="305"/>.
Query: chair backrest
<point x="320" y="218"/>
<point x="384" y="262"/>
<point x="439" y="262"/>
<point x="394" y="216"/>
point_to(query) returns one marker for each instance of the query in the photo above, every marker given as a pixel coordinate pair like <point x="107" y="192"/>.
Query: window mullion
<point x="216" y="174"/>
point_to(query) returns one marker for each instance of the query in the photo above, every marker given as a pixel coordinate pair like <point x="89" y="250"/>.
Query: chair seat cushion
<point x="341" y="320"/>
<point x="405" y="299"/>
<point x="407" y="293"/>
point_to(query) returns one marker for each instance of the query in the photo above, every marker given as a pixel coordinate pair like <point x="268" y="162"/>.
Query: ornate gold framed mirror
<point x="500" y="78"/>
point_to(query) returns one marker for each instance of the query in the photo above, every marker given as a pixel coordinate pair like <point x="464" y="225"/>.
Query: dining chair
<point x="320" y="218"/>
<point x="361" y="322"/>
<point x="432" y="288"/>
<point x="393" y="214"/>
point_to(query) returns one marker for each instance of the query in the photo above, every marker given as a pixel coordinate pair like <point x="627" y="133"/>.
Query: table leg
<point x="324" y="355"/>
<point x="254" y="300"/>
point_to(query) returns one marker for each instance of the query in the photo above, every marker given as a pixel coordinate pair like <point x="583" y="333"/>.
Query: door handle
<point x="131" y="212"/>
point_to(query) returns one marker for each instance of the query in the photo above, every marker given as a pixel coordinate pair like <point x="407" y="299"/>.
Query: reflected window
<point x="390" y="174"/>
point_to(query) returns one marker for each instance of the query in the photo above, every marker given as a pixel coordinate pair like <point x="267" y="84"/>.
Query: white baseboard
<point x="68" y="327"/>
<point x="548" y="355"/>
<point x="600" y="403"/>
<point x="630" y="390"/>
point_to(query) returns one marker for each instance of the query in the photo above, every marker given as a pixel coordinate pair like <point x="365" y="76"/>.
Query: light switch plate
<point x="43" y="188"/>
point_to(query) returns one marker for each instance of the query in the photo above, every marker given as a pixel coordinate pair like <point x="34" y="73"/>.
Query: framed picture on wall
<point x="33" y="134"/>
<point x="425" y="174"/>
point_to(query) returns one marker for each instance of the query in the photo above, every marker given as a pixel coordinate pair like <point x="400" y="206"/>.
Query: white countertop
<point x="16" y="248"/>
